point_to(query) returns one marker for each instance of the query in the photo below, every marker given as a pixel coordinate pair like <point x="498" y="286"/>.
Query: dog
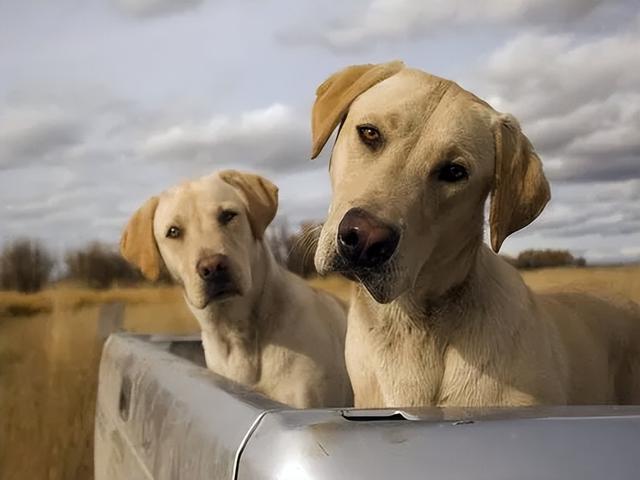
<point x="438" y="318"/>
<point x="262" y="326"/>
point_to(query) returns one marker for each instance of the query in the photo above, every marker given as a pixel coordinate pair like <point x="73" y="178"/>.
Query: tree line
<point x="26" y="265"/>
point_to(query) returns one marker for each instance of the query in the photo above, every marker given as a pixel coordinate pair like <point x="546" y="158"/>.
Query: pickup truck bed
<point x="162" y="415"/>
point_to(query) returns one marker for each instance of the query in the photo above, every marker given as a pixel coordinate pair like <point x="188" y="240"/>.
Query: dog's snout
<point x="213" y="268"/>
<point x="364" y="240"/>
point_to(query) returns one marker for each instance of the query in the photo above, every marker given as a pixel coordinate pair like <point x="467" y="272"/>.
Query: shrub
<point x="280" y="240"/>
<point x="100" y="266"/>
<point x="25" y="266"/>
<point x="509" y="259"/>
<point x="530" y="259"/>
<point x="581" y="262"/>
<point x="303" y="249"/>
<point x="295" y="250"/>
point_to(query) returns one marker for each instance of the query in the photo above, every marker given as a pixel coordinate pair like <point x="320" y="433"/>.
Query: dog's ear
<point x="138" y="245"/>
<point x="520" y="189"/>
<point x="260" y="195"/>
<point x="336" y="93"/>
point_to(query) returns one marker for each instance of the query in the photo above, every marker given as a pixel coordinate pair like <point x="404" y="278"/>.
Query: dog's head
<point x="414" y="160"/>
<point x="205" y="233"/>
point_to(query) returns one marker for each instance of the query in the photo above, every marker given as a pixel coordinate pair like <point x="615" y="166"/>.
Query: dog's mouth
<point x="377" y="281"/>
<point x="377" y="287"/>
<point x="209" y="294"/>
<point x="219" y="293"/>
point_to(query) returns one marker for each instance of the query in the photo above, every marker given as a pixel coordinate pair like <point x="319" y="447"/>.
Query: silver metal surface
<point x="161" y="415"/>
<point x="565" y="444"/>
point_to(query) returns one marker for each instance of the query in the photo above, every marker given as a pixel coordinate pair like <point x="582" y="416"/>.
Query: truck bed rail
<point x="162" y="415"/>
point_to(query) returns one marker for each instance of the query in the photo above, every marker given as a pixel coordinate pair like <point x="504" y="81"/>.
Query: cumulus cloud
<point x="73" y="171"/>
<point x="380" y="21"/>
<point x="601" y="208"/>
<point x="273" y="139"/>
<point x="70" y="128"/>
<point x="152" y="8"/>
<point x="599" y="220"/>
<point x="75" y="163"/>
<point x="42" y="133"/>
<point x="578" y="101"/>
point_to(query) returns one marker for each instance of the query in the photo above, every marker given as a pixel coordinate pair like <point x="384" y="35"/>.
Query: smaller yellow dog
<point x="261" y="325"/>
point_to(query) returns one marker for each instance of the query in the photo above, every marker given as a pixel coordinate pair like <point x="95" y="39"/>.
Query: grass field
<point x="49" y="355"/>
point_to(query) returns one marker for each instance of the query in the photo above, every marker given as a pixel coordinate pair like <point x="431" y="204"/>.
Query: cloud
<point x="122" y="153"/>
<point x="40" y="133"/>
<point x="273" y="139"/>
<point x="74" y="170"/>
<point x="304" y="195"/>
<point x="71" y="128"/>
<point x="384" y="21"/>
<point x="77" y="159"/>
<point x="603" y="208"/>
<point x="599" y="220"/>
<point x="154" y="8"/>
<point x="578" y="100"/>
<point x="569" y="69"/>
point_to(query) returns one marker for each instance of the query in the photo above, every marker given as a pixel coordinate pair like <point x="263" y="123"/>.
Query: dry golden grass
<point x="338" y="286"/>
<point x="14" y="304"/>
<point x="624" y="281"/>
<point x="48" y="373"/>
<point x="49" y="356"/>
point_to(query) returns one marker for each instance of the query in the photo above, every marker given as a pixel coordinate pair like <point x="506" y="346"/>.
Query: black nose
<point x="365" y="241"/>
<point x="214" y="268"/>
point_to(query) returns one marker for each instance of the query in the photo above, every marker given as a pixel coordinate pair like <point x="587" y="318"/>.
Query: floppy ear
<point x="138" y="245"/>
<point x="520" y="189"/>
<point x="260" y="195"/>
<point x="336" y="93"/>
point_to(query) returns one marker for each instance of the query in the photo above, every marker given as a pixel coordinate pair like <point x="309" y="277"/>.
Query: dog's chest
<point x="230" y="359"/>
<point x="399" y="366"/>
<point x="468" y="379"/>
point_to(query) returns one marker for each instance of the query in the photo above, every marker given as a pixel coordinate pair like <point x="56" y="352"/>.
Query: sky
<point x="104" y="103"/>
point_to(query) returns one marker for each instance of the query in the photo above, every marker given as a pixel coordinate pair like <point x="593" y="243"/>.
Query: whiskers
<point x="381" y="283"/>
<point x="304" y="248"/>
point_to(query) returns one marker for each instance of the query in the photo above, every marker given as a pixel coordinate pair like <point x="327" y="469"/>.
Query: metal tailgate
<point x="162" y="415"/>
<point x="520" y="444"/>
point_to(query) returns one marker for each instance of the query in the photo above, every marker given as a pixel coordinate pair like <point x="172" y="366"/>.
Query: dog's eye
<point x="173" y="232"/>
<point x="369" y="135"/>
<point x="452" y="172"/>
<point x="226" y="216"/>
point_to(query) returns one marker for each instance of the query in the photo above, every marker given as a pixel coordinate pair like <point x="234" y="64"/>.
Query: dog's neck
<point x="448" y="287"/>
<point x="452" y="267"/>
<point x="234" y="331"/>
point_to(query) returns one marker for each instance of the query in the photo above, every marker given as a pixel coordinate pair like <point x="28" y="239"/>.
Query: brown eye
<point x="173" y="232"/>
<point x="226" y="216"/>
<point x="369" y="135"/>
<point x="452" y="172"/>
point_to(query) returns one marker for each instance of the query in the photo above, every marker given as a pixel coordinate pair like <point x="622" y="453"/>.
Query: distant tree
<point x="295" y="250"/>
<point x="280" y="240"/>
<point x="100" y="266"/>
<point x="25" y="266"/>
<point x="530" y="259"/>
<point x="509" y="259"/>
<point x="303" y="249"/>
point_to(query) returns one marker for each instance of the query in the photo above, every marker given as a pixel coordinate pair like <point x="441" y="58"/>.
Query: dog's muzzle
<point x="215" y="272"/>
<point x="364" y="241"/>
